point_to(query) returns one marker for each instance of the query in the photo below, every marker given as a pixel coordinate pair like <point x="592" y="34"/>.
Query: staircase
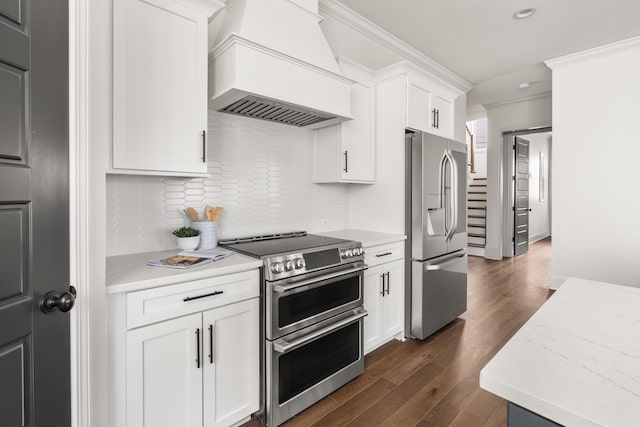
<point x="477" y="216"/>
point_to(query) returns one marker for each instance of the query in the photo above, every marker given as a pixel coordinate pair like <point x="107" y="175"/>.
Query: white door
<point x="443" y="116"/>
<point x="373" y="280"/>
<point x="393" y="299"/>
<point x="164" y="374"/>
<point x="159" y="86"/>
<point x="231" y="363"/>
<point x="357" y="136"/>
<point x="419" y="114"/>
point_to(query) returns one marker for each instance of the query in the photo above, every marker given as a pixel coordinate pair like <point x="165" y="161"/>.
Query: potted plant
<point x="188" y="238"/>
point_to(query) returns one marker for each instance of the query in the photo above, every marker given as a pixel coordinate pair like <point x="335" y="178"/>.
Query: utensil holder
<point x="208" y="234"/>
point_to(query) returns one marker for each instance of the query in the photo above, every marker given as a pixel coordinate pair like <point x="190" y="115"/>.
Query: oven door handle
<point x="283" y="346"/>
<point x="291" y="286"/>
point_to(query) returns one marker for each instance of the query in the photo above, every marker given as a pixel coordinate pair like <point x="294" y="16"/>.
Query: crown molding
<point x="347" y="16"/>
<point x="578" y="57"/>
<point x="517" y="100"/>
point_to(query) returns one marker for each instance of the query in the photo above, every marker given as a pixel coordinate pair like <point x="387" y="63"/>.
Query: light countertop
<point x="126" y="273"/>
<point x="577" y="360"/>
<point x="367" y="238"/>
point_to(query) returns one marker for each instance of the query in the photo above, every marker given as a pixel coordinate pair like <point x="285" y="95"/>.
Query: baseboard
<point x="475" y="251"/>
<point x="557" y="281"/>
<point x="492" y="253"/>
<point x="536" y="237"/>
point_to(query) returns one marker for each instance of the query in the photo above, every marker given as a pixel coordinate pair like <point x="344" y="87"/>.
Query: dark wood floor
<point x="435" y="382"/>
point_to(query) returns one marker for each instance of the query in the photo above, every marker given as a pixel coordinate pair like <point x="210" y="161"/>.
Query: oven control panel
<point x="288" y="265"/>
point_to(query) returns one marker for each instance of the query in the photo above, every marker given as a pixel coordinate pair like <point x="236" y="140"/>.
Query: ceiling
<point x="481" y="42"/>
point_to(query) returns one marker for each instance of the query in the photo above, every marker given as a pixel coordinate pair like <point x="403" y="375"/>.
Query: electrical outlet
<point x="325" y="221"/>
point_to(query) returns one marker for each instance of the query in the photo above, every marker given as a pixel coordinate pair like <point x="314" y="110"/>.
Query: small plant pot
<point x="188" y="243"/>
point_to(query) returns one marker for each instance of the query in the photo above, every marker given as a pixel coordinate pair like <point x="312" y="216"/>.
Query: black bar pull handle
<point x="433" y="118"/>
<point x="204" y="146"/>
<point x="437" y="119"/>
<point x="198" y="348"/>
<point x="384" y="254"/>
<point x="211" y="344"/>
<point x="387" y="274"/>
<point x="203" y="296"/>
<point x="346" y="161"/>
<point x="382" y="281"/>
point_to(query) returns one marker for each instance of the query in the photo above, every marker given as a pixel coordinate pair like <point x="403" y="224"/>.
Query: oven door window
<point x="306" y="304"/>
<point x="302" y="368"/>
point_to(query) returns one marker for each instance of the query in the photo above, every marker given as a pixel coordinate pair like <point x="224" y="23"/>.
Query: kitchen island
<point x="576" y="362"/>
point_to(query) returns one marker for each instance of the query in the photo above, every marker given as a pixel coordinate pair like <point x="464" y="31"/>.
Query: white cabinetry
<point x="187" y="354"/>
<point x="383" y="294"/>
<point x="163" y="381"/>
<point x="231" y="363"/>
<point x="430" y="104"/>
<point x="346" y="152"/>
<point x="160" y="86"/>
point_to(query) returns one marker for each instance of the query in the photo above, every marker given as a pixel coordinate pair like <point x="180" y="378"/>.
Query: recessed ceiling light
<point x="524" y="13"/>
<point x="526" y="85"/>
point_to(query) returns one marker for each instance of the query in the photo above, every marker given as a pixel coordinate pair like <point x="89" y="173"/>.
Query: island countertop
<point x="577" y="360"/>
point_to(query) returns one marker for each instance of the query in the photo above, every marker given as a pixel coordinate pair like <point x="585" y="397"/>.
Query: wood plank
<point x="356" y="405"/>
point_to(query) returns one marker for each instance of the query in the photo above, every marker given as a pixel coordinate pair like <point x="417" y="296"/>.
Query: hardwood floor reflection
<point x="435" y="382"/>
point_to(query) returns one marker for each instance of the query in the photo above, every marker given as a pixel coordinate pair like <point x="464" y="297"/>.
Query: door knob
<point x="55" y="300"/>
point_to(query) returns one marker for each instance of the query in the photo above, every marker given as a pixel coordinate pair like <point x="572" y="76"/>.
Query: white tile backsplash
<point x="261" y="173"/>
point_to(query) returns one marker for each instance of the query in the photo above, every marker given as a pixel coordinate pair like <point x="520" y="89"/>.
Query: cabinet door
<point x="159" y="86"/>
<point x="164" y="382"/>
<point x="231" y="363"/>
<point x="393" y="319"/>
<point x="358" y="136"/>
<point x="373" y="304"/>
<point x="419" y="114"/>
<point x="444" y="116"/>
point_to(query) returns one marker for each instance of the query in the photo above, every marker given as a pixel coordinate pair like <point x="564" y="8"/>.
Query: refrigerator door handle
<point x="454" y="194"/>
<point x="452" y="210"/>
<point x="443" y="183"/>
<point x="450" y="261"/>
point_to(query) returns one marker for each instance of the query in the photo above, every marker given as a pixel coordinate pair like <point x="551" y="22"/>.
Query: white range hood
<point x="270" y="61"/>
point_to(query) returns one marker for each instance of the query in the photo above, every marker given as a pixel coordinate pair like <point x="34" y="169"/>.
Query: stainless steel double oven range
<point x="312" y="291"/>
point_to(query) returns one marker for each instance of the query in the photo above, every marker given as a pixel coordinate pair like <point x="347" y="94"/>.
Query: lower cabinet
<point x="384" y="302"/>
<point x="197" y="370"/>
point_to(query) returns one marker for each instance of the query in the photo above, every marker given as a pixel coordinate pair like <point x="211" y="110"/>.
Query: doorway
<point x="527" y="182"/>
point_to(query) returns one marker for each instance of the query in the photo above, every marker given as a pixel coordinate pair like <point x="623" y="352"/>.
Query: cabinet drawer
<point x="384" y="253"/>
<point x="166" y="302"/>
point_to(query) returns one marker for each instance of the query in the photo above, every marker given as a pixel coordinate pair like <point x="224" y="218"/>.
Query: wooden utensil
<point x="193" y="214"/>
<point x="217" y="212"/>
<point x="209" y="213"/>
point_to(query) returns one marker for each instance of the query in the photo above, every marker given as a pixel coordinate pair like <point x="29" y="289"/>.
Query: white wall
<point x="260" y="172"/>
<point x="540" y="215"/>
<point x="596" y="176"/>
<point x="480" y="163"/>
<point x="505" y="117"/>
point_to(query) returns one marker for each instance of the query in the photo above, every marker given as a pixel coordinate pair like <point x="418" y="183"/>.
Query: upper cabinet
<point x="430" y="105"/>
<point x="346" y="152"/>
<point x="430" y="102"/>
<point x="160" y="86"/>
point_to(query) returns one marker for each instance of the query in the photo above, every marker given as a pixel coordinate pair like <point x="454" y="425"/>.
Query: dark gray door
<point x="521" y="197"/>
<point x="34" y="217"/>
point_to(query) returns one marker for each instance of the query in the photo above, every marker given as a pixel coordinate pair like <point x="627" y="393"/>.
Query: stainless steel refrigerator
<point x="436" y="206"/>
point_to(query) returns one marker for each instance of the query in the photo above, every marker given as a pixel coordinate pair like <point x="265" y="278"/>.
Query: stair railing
<point x="471" y="152"/>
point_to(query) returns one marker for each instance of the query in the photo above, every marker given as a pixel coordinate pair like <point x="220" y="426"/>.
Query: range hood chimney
<point x="271" y="61"/>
